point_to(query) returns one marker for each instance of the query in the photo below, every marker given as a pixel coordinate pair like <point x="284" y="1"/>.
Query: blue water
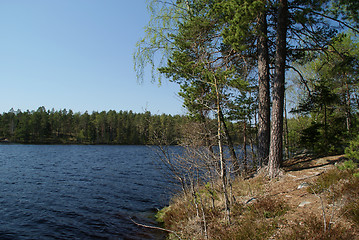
<point x="79" y="192"/>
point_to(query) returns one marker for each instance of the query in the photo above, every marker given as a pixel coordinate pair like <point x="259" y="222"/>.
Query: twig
<point x="157" y="228"/>
<point x="306" y="177"/>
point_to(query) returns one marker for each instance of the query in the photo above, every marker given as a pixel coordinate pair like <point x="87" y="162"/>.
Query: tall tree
<point x="263" y="90"/>
<point x="276" y="143"/>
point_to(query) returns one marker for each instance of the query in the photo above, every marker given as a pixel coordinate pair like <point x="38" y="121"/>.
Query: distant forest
<point x="66" y="127"/>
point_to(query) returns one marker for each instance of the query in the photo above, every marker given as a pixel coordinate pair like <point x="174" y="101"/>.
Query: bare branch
<point x="302" y="79"/>
<point x="157" y="228"/>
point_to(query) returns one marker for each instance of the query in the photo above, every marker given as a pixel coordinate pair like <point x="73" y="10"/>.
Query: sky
<point x="77" y="54"/>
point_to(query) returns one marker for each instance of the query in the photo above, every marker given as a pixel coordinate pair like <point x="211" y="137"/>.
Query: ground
<point x="292" y="186"/>
<point x="290" y="206"/>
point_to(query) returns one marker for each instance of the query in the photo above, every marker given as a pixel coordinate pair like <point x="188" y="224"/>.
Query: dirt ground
<point x="292" y="186"/>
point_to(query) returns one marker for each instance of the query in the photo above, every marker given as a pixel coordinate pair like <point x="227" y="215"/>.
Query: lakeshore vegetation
<point x="274" y="77"/>
<point x="286" y="71"/>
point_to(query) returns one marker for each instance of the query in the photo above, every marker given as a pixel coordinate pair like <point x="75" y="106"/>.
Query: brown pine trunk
<point x="276" y="143"/>
<point x="263" y="92"/>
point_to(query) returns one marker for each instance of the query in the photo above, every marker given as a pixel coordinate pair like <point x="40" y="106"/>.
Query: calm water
<point x="79" y="192"/>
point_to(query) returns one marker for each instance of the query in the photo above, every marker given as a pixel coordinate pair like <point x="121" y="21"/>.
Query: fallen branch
<point x="157" y="228"/>
<point x="306" y="177"/>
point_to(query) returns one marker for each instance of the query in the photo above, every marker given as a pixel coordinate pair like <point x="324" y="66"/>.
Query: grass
<point x="312" y="228"/>
<point x="342" y="185"/>
<point x="201" y="215"/>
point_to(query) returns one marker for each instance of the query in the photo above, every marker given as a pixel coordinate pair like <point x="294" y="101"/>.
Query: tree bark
<point x="245" y="146"/>
<point x="232" y="152"/>
<point x="222" y="161"/>
<point x="263" y="92"/>
<point x="276" y="143"/>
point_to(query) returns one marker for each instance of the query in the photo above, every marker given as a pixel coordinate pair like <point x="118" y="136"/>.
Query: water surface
<point x="79" y="192"/>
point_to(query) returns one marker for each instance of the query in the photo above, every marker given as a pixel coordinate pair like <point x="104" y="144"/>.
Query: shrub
<point x="269" y="207"/>
<point x="313" y="228"/>
<point x="351" y="190"/>
<point x="328" y="179"/>
<point x="161" y="213"/>
<point x="246" y="227"/>
<point x="351" y="210"/>
<point x="352" y="152"/>
<point x="348" y="165"/>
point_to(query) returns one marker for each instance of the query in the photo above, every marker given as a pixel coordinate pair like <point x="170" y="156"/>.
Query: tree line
<point x="66" y="127"/>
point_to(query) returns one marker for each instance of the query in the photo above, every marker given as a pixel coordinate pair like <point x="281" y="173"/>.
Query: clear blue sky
<point x="76" y="54"/>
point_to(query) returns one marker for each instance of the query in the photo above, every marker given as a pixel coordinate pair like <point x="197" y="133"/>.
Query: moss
<point x="161" y="213"/>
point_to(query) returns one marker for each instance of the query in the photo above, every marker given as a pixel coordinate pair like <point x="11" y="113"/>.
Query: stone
<point x="302" y="204"/>
<point x="303" y="185"/>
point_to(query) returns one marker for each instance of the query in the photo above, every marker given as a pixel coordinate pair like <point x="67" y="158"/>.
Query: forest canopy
<point x="66" y="127"/>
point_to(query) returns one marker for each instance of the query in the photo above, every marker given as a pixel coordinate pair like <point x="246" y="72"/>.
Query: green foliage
<point x="328" y="180"/>
<point x="347" y="165"/>
<point x="352" y="152"/>
<point x="155" y="47"/>
<point x="161" y="213"/>
<point x="329" y="101"/>
<point x="66" y="127"/>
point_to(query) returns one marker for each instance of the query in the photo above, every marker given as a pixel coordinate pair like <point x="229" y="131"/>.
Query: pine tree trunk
<point x="264" y="93"/>
<point x="276" y="143"/>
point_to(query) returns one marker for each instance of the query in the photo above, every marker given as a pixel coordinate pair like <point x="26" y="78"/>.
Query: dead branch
<point x="157" y="228"/>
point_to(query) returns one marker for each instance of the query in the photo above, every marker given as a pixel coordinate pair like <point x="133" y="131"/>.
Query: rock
<point x="303" y="185"/>
<point x="302" y="204"/>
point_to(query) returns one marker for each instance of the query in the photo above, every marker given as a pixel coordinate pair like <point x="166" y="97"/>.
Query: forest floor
<point x="291" y="206"/>
<point x="300" y="174"/>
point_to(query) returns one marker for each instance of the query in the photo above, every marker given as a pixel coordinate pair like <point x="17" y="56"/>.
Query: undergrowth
<point x="312" y="228"/>
<point x="200" y="215"/>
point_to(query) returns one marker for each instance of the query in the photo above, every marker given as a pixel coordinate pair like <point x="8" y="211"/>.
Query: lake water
<point x="79" y="192"/>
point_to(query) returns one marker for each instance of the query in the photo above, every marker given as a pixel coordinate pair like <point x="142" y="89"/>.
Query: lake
<point x="79" y="192"/>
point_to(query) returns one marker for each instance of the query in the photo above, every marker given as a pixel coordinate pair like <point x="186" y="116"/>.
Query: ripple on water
<point x="79" y="192"/>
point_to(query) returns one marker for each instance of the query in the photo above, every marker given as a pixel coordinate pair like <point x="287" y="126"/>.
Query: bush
<point x="351" y="190"/>
<point x="348" y="165"/>
<point x="313" y="228"/>
<point x="352" y="152"/>
<point x="269" y="207"/>
<point x="328" y="179"/>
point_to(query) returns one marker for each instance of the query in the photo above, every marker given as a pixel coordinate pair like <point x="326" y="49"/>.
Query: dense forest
<point x="66" y="127"/>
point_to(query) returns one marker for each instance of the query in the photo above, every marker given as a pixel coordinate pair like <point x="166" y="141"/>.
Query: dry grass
<point x="312" y="228"/>
<point x="263" y="209"/>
